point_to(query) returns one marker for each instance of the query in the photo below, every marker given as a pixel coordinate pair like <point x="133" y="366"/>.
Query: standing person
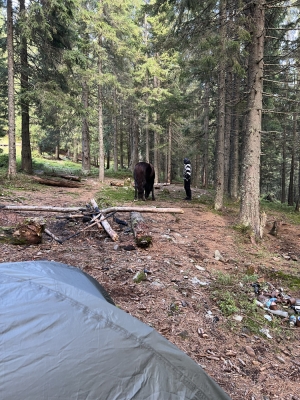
<point x="187" y="172"/>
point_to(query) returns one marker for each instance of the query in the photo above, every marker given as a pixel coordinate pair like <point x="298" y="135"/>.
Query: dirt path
<point x="175" y="299"/>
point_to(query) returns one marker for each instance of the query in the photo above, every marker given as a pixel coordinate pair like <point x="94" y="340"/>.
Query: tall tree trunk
<point x="115" y="125"/>
<point x="26" y="148"/>
<point x="134" y="141"/>
<point x="108" y="159"/>
<point x="147" y="150"/>
<point x="169" y="158"/>
<point x="219" y="176"/>
<point x="75" y="150"/>
<point x="291" y="192"/>
<point x="283" y="169"/>
<point x="12" y="163"/>
<point x="234" y="143"/>
<point x="121" y="133"/>
<point x="228" y="126"/>
<point x="86" y="158"/>
<point x="206" y="138"/>
<point x="156" y="139"/>
<point x="57" y="149"/>
<point x="100" y="120"/>
<point x="249" y="210"/>
<point x="147" y="146"/>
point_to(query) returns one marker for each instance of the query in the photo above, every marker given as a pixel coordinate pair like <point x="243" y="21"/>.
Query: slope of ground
<point x="177" y="298"/>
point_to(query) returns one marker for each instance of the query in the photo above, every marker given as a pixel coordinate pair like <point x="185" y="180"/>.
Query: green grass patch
<point x="111" y="196"/>
<point x="120" y="174"/>
<point x="292" y="281"/>
<point x="283" y="211"/>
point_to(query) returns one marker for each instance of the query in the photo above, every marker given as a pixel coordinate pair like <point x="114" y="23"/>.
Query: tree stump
<point x="27" y="232"/>
<point x="140" y="230"/>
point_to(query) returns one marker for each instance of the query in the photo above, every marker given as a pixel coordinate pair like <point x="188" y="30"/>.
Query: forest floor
<point x="181" y="296"/>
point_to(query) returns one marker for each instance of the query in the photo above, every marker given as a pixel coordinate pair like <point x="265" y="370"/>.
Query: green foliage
<point x="3" y="160"/>
<point x="49" y="166"/>
<point x="224" y="279"/>
<point x="120" y="174"/>
<point x="227" y="304"/>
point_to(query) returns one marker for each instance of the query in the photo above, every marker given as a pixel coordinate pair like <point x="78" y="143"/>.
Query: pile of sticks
<point x="99" y="218"/>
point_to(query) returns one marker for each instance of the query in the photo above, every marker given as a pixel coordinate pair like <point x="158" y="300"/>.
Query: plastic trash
<point x="270" y="301"/>
<point x="260" y="304"/>
<point x="266" y="332"/>
<point x="292" y="321"/>
<point x="280" y="313"/>
<point x="256" y="287"/>
<point x="268" y="317"/>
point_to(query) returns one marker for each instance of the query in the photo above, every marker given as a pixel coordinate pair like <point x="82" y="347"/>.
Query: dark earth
<point x="177" y="296"/>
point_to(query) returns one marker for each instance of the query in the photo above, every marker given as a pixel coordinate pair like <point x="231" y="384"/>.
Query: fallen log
<point x="40" y="208"/>
<point x="57" y="182"/>
<point x="140" y="230"/>
<point x="143" y="209"/>
<point x="69" y="177"/>
<point x="118" y="184"/>
<point x="6" y="236"/>
<point x="27" y="232"/>
<point x="103" y="211"/>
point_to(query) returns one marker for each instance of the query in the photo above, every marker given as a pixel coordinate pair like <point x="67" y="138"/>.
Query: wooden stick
<point x="53" y="236"/>
<point x="114" y="236"/>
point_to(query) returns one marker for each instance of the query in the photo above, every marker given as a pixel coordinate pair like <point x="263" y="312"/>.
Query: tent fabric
<point x="61" y="338"/>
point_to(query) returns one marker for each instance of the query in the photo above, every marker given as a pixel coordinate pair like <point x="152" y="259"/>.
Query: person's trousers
<point x="187" y="188"/>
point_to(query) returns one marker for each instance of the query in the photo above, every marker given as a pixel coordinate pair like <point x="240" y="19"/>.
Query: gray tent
<point x="61" y="339"/>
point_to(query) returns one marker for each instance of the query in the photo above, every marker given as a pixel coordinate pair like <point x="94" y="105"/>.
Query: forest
<point x="109" y="83"/>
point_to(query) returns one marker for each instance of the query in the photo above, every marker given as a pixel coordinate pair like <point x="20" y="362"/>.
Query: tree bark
<point x="249" y="210"/>
<point x="227" y="127"/>
<point x="26" y="148"/>
<point x="206" y="138"/>
<point x="234" y="143"/>
<point x="134" y="158"/>
<point x="220" y="150"/>
<point x="104" y="211"/>
<point x="100" y="119"/>
<point x="27" y="232"/>
<point x="86" y="158"/>
<point x="56" y="182"/>
<point x="291" y="192"/>
<point x="12" y="162"/>
<point x="283" y="168"/>
<point x="156" y="165"/>
<point x="115" y="127"/>
<point x="140" y="229"/>
<point x="104" y="223"/>
<point x="169" y="156"/>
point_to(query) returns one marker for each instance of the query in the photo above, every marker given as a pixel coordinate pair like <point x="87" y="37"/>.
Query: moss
<point x="144" y="241"/>
<point x="292" y="281"/>
<point x="139" y="277"/>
